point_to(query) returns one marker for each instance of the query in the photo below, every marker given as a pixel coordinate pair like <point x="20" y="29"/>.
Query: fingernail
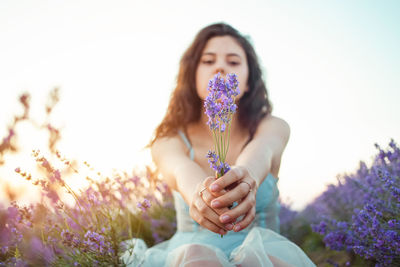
<point x="214" y="187"/>
<point x="225" y="218"/>
<point x="215" y="204"/>
<point x="229" y="226"/>
<point x="236" y="228"/>
<point x="222" y="232"/>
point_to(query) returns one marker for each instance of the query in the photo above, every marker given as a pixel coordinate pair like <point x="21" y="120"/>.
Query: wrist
<point x="251" y="175"/>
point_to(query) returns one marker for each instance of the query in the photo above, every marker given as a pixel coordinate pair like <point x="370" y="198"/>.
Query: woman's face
<point x="221" y="54"/>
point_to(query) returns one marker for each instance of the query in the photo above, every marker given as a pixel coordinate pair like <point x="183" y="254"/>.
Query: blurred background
<point x="331" y="68"/>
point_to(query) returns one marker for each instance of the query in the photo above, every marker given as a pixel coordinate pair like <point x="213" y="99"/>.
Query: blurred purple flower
<point x="362" y="212"/>
<point x="144" y="205"/>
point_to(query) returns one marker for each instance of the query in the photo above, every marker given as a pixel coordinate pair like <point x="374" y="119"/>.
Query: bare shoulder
<point x="171" y="146"/>
<point x="275" y="126"/>
<point x="274" y="132"/>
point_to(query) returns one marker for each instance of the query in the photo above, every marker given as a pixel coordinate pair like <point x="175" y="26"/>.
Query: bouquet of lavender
<point x="220" y="107"/>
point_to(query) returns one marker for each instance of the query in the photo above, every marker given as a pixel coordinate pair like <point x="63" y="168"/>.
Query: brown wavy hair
<point x="185" y="105"/>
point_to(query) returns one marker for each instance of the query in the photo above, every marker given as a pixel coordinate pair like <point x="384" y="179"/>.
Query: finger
<point x="236" y="194"/>
<point x="208" y="198"/>
<point x="246" y="221"/>
<point x="233" y="175"/>
<point x="200" y="219"/>
<point x="210" y="214"/>
<point x="208" y="181"/>
<point x="242" y="209"/>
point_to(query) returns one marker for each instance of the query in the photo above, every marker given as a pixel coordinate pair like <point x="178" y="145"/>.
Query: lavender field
<point x="354" y="222"/>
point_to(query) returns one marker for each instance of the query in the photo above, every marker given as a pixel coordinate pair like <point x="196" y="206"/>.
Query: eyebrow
<point x="213" y="54"/>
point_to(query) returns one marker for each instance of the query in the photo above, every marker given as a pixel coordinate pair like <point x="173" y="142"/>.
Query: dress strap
<point x="187" y="143"/>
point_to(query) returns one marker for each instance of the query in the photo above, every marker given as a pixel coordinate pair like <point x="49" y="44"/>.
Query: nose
<point x="220" y="67"/>
<point x="220" y="70"/>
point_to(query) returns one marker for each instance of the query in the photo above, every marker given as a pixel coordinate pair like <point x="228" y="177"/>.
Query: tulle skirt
<point x="257" y="247"/>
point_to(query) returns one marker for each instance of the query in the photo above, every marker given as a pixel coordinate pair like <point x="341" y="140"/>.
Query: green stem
<point x="223" y="145"/>
<point x="69" y="190"/>
<point x="222" y="156"/>
<point x="130" y="225"/>
<point x="229" y="133"/>
<point x="42" y="235"/>
<point x="73" y="218"/>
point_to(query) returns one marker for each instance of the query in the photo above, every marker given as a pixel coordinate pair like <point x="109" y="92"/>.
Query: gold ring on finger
<point x="250" y="189"/>
<point x="201" y="192"/>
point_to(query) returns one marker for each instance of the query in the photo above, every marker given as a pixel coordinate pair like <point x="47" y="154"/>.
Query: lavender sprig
<point x="220" y="106"/>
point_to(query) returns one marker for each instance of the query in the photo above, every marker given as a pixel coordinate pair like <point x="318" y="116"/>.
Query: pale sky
<point x="331" y="68"/>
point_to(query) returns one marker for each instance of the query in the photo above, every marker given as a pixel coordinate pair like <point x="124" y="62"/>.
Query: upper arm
<point x="262" y="155"/>
<point x="273" y="132"/>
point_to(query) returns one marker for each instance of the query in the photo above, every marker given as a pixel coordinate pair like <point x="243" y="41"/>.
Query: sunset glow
<point x="331" y="70"/>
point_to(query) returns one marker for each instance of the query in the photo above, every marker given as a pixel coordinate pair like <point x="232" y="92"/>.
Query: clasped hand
<point x="213" y="197"/>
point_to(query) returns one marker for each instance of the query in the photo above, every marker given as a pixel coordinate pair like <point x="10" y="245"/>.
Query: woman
<point x="257" y="140"/>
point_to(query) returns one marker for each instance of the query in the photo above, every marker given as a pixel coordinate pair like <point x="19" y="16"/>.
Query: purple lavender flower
<point x="362" y="212"/>
<point x="144" y="205"/>
<point x="220" y="106"/>
<point x="213" y="160"/>
<point x="40" y="253"/>
<point x="4" y="249"/>
<point x="96" y="242"/>
<point x="67" y="237"/>
<point x="157" y="238"/>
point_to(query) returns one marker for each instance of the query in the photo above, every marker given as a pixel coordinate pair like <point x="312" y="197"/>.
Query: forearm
<point x="178" y="170"/>
<point x="257" y="159"/>
<point x="187" y="176"/>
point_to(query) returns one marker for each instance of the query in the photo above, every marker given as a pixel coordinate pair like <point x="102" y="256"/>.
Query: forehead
<point x="223" y="45"/>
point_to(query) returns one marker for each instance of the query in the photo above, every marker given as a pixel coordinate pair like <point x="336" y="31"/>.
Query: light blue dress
<point x="258" y="245"/>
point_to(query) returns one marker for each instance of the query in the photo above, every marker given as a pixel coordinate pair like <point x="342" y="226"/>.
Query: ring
<point x="201" y="191"/>
<point x="248" y="184"/>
